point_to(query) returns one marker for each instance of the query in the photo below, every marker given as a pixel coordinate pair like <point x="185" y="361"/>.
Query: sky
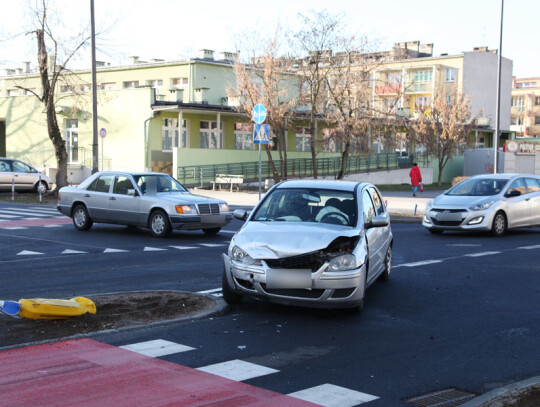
<point x="175" y="29"/>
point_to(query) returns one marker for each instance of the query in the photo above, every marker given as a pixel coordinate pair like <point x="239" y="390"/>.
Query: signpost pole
<point x="260" y="134"/>
<point x="260" y="165"/>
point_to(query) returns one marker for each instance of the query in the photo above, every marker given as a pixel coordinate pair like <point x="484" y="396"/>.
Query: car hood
<point x="453" y="201"/>
<point x="274" y="240"/>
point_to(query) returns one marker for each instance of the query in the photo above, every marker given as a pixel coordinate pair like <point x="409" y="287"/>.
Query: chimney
<point x="228" y="56"/>
<point x="134" y="60"/>
<point x="426" y="49"/>
<point x="206" y="54"/>
<point x="26" y="67"/>
<point x="480" y="49"/>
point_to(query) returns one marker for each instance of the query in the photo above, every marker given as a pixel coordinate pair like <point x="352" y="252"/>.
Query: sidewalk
<point x="400" y="203"/>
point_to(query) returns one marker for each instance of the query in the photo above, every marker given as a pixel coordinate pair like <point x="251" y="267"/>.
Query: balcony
<point x="517" y="128"/>
<point x="418" y="87"/>
<point x="517" y="109"/>
<point x="388" y="89"/>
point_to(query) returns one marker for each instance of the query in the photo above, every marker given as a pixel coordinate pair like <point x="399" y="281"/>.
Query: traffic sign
<point x="103" y="133"/>
<point x="259" y="113"/>
<point x="261" y="134"/>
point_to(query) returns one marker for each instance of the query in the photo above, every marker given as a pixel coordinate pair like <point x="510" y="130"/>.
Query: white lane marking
<point x="152" y="249"/>
<point x="15" y="228"/>
<point x="329" y="395"/>
<point x="28" y="253"/>
<point x="213" y="244"/>
<point x="481" y="254"/>
<point x="21" y="213"/>
<point x="52" y="226"/>
<point x="33" y="210"/>
<point x="157" y="348"/>
<point x="419" y="263"/>
<point x="238" y="370"/>
<point x="69" y="251"/>
<point x="9" y="216"/>
<point x="213" y="290"/>
<point x="183" y="247"/>
<point x="529" y="247"/>
<point x="113" y="251"/>
<point x="464" y="245"/>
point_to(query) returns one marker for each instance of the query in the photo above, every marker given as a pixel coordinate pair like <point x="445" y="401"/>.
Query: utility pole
<point x="496" y="136"/>
<point x="95" y="149"/>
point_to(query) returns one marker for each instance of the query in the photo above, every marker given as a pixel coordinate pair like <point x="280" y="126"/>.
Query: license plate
<point x="213" y="218"/>
<point x="288" y="278"/>
<point x="449" y="217"/>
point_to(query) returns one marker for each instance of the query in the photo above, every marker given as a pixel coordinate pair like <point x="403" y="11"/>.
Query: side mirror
<point x="241" y="214"/>
<point x="512" y="193"/>
<point x="132" y="192"/>
<point x="378" y="222"/>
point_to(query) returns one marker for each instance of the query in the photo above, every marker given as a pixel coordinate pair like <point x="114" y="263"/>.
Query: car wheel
<point x="229" y="295"/>
<point x="435" y="231"/>
<point x="499" y="225"/>
<point x="81" y="218"/>
<point x="159" y="224"/>
<point x="387" y="265"/>
<point x="41" y="187"/>
<point x="211" y="231"/>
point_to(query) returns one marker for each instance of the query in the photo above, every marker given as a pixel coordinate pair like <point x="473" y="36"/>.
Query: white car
<point x="22" y="176"/>
<point x="494" y="202"/>
<point x="153" y="200"/>
<point x="310" y="243"/>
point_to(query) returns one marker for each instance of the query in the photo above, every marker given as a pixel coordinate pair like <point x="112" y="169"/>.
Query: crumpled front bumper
<point x="325" y="289"/>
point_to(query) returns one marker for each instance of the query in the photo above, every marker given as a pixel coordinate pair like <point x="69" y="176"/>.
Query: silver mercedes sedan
<point x="310" y="243"/>
<point x="153" y="200"/>
<point x="493" y="202"/>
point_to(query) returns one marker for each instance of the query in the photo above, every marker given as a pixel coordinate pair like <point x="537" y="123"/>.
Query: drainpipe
<point x="146" y="149"/>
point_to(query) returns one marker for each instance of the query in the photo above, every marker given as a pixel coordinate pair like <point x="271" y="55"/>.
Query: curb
<point x="220" y="308"/>
<point x="493" y="396"/>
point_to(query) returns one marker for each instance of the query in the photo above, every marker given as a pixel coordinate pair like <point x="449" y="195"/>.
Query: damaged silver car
<point x="310" y="243"/>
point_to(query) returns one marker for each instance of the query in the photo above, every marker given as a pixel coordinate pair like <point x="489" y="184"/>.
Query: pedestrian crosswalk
<point x="19" y="218"/>
<point x="325" y="394"/>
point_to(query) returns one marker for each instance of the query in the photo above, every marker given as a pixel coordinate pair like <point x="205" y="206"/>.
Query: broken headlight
<point x="342" y="262"/>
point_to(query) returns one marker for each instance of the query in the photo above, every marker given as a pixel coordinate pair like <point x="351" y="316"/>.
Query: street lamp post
<point x="496" y="136"/>
<point x="95" y="151"/>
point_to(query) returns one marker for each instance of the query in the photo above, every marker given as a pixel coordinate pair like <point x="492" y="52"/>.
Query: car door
<point x="96" y="197"/>
<point x="5" y="174"/>
<point x="518" y="207"/>
<point x="123" y="208"/>
<point x="25" y="176"/>
<point x="533" y="189"/>
<point x="374" y="236"/>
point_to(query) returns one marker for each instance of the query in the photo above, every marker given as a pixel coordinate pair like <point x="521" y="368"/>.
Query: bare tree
<point x="268" y="80"/>
<point x="444" y="127"/>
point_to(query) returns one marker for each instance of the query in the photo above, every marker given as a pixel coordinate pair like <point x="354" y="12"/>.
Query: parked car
<point x="23" y="176"/>
<point x="310" y="243"/>
<point x="153" y="200"/>
<point x="494" y="202"/>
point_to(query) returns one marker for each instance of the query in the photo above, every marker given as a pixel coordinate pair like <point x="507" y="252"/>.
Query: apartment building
<point x="525" y="113"/>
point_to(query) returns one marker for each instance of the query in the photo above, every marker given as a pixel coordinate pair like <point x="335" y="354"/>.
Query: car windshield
<point x="478" y="187"/>
<point x="308" y="205"/>
<point x="152" y="184"/>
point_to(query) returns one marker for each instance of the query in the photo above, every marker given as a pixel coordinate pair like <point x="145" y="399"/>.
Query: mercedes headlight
<point x="342" y="262"/>
<point x="482" y="206"/>
<point x="241" y="256"/>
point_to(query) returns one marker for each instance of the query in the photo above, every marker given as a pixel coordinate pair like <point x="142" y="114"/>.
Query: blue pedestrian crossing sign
<point x="261" y="134"/>
<point x="259" y="113"/>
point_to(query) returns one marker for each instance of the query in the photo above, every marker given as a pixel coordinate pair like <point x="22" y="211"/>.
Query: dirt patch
<point x="113" y="311"/>
<point x="528" y="397"/>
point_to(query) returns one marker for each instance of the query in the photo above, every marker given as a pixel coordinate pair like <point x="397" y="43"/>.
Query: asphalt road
<point x="460" y="310"/>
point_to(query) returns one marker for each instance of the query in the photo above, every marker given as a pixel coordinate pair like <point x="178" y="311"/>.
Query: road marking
<point x="9" y="216"/>
<point x="157" y="348"/>
<point x="183" y="247"/>
<point x="481" y="254"/>
<point x="114" y="251"/>
<point x="52" y="226"/>
<point x="329" y="395"/>
<point x="14" y="228"/>
<point x="419" y="263"/>
<point x="213" y="290"/>
<point x="213" y="244"/>
<point x="529" y="247"/>
<point x="28" y="253"/>
<point x="238" y="370"/>
<point x="464" y="245"/>
<point x="47" y="211"/>
<point x="69" y="251"/>
<point x="19" y="213"/>
<point x="152" y="249"/>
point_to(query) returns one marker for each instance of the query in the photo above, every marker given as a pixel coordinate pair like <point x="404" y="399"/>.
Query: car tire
<point x="499" y="225"/>
<point x="229" y="295"/>
<point x="81" y="218"/>
<point x="159" y="224"/>
<point x="211" y="231"/>
<point x="387" y="265"/>
<point x="435" y="231"/>
<point x="40" y="187"/>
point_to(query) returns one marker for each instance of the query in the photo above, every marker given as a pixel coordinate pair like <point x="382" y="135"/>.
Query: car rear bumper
<point x="327" y="289"/>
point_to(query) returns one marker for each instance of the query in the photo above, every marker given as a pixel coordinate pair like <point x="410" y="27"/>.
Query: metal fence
<point x="204" y="175"/>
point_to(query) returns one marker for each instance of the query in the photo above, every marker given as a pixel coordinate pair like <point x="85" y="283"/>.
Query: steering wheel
<point x="340" y="216"/>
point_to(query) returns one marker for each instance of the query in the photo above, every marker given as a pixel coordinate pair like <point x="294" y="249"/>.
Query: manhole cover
<point x="442" y="398"/>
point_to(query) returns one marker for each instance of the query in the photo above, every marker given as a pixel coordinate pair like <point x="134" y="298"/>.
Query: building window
<point x="516" y="120"/>
<point x="177" y="83"/>
<point x="85" y="87"/>
<point x="423" y="76"/>
<point x="209" y="134"/>
<point x="422" y="101"/>
<point x="13" y="92"/>
<point x="480" y="143"/>
<point x="169" y="128"/>
<point x="243" y="136"/>
<point x="130" y="84"/>
<point x="155" y="83"/>
<point x="449" y="75"/>
<point x="537" y="101"/>
<point x="518" y="101"/>
<point x="393" y="78"/>
<point x="536" y="120"/>
<point x="330" y="141"/>
<point x="107" y="86"/>
<point x="525" y="84"/>
<point x="303" y="139"/>
<point x="65" y="89"/>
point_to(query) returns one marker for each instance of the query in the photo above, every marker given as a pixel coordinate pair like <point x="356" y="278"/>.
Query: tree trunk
<point x="271" y="161"/>
<point x="313" y="144"/>
<point x="344" y="159"/>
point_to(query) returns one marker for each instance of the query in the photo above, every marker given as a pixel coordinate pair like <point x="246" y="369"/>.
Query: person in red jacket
<point x="416" y="178"/>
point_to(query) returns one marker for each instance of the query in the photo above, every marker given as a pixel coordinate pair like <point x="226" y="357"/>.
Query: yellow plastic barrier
<point x="41" y="308"/>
